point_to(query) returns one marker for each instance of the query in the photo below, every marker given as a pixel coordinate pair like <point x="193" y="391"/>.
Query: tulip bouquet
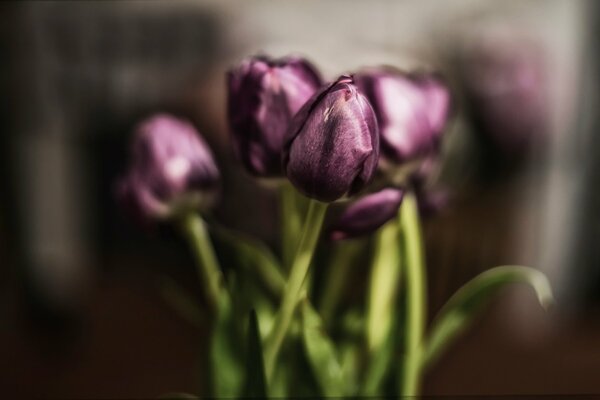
<point x="367" y="142"/>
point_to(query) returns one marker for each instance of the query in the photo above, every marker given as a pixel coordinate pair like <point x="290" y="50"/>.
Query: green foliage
<point x="379" y="364"/>
<point x="225" y="369"/>
<point x="255" y="383"/>
<point x="384" y="286"/>
<point x="376" y="344"/>
<point x="467" y="302"/>
<point x="321" y="353"/>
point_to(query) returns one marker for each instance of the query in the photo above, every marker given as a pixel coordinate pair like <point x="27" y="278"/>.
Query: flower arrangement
<point x="368" y="141"/>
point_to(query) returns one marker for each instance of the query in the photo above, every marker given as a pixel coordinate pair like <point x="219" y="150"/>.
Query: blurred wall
<point x="82" y="73"/>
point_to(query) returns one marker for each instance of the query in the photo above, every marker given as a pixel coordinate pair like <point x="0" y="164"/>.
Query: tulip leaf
<point x="246" y="296"/>
<point x="255" y="257"/>
<point x="379" y="367"/>
<point x="226" y="370"/>
<point x="255" y="383"/>
<point x="351" y="361"/>
<point x="281" y="382"/>
<point x="464" y="305"/>
<point x="321" y="353"/>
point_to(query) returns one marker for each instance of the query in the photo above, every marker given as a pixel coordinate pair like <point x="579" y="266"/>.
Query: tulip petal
<point x="263" y="96"/>
<point x="332" y="143"/>
<point x="171" y="166"/>
<point x="411" y="110"/>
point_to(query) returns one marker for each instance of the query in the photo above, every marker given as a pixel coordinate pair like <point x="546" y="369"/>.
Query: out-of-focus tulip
<point x="264" y="94"/>
<point x="433" y="201"/>
<point x="367" y="214"/>
<point x="505" y="80"/>
<point x="411" y="109"/>
<point x="332" y="146"/>
<point x="172" y="169"/>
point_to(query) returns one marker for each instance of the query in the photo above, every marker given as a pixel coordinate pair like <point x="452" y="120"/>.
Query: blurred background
<point x="81" y="311"/>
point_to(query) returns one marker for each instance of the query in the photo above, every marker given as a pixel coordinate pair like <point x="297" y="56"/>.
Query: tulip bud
<point x="264" y="95"/>
<point x="172" y="169"/>
<point x="411" y="111"/>
<point x="368" y="214"/>
<point x="332" y="146"/>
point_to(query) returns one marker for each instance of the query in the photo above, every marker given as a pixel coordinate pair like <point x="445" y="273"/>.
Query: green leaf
<point x="293" y="377"/>
<point x="281" y="382"/>
<point x="464" y="305"/>
<point x="321" y="353"/>
<point x="255" y="383"/>
<point x="378" y="368"/>
<point x="246" y="296"/>
<point x="226" y="369"/>
<point x="351" y="349"/>
<point x="350" y="355"/>
<point x="255" y="257"/>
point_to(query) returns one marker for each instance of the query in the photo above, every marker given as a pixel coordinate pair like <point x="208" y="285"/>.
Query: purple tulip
<point x="332" y="146"/>
<point x="506" y="83"/>
<point x="172" y="169"/>
<point x="368" y="214"/>
<point x="264" y="95"/>
<point x="411" y="109"/>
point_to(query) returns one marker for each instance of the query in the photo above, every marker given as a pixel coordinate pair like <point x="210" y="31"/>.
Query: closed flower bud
<point x="411" y="110"/>
<point x="332" y="146"/>
<point x="264" y="94"/>
<point x="368" y="214"/>
<point x="172" y="169"/>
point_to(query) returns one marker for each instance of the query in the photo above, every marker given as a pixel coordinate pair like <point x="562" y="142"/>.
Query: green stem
<point x="291" y="223"/>
<point x="293" y="290"/>
<point x="207" y="266"/>
<point x="416" y="297"/>
<point x="383" y="285"/>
